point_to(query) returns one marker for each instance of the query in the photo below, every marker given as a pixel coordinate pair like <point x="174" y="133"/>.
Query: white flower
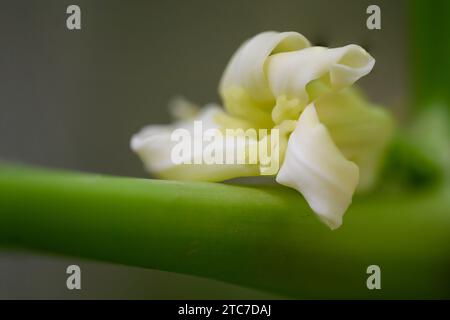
<point x="331" y="139"/>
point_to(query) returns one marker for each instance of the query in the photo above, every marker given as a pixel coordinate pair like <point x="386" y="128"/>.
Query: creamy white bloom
<point x="331" y="138"/>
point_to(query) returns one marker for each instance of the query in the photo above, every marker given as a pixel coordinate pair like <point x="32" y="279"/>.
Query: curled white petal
<point x="154" y="144"/>
<point x="289" y="73"/>
<point x="246" y="68"/>
<point x="315" y="167"/>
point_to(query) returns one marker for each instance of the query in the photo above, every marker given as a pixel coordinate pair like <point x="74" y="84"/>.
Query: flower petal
<point x="360" y="129"/>
<point x="315" y="167"/>
<point x="289" y="73"/>
<point x="154" y="145"/>
<point x="243" y="87"/>
<point x="246" y="67"/>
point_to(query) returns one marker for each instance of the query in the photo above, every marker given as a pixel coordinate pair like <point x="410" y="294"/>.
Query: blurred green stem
<point x="263" y="237"/>
<point x="430" y="71"/>
<point x="430" y="48"/>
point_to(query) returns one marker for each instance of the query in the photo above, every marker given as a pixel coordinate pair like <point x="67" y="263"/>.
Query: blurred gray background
<point x="72" y="99"/>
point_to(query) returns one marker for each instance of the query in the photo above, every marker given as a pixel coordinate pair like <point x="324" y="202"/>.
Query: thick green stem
<point x="261" y="237"/>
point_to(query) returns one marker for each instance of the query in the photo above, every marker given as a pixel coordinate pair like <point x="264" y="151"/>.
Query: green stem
<point x="262" y="237"/>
